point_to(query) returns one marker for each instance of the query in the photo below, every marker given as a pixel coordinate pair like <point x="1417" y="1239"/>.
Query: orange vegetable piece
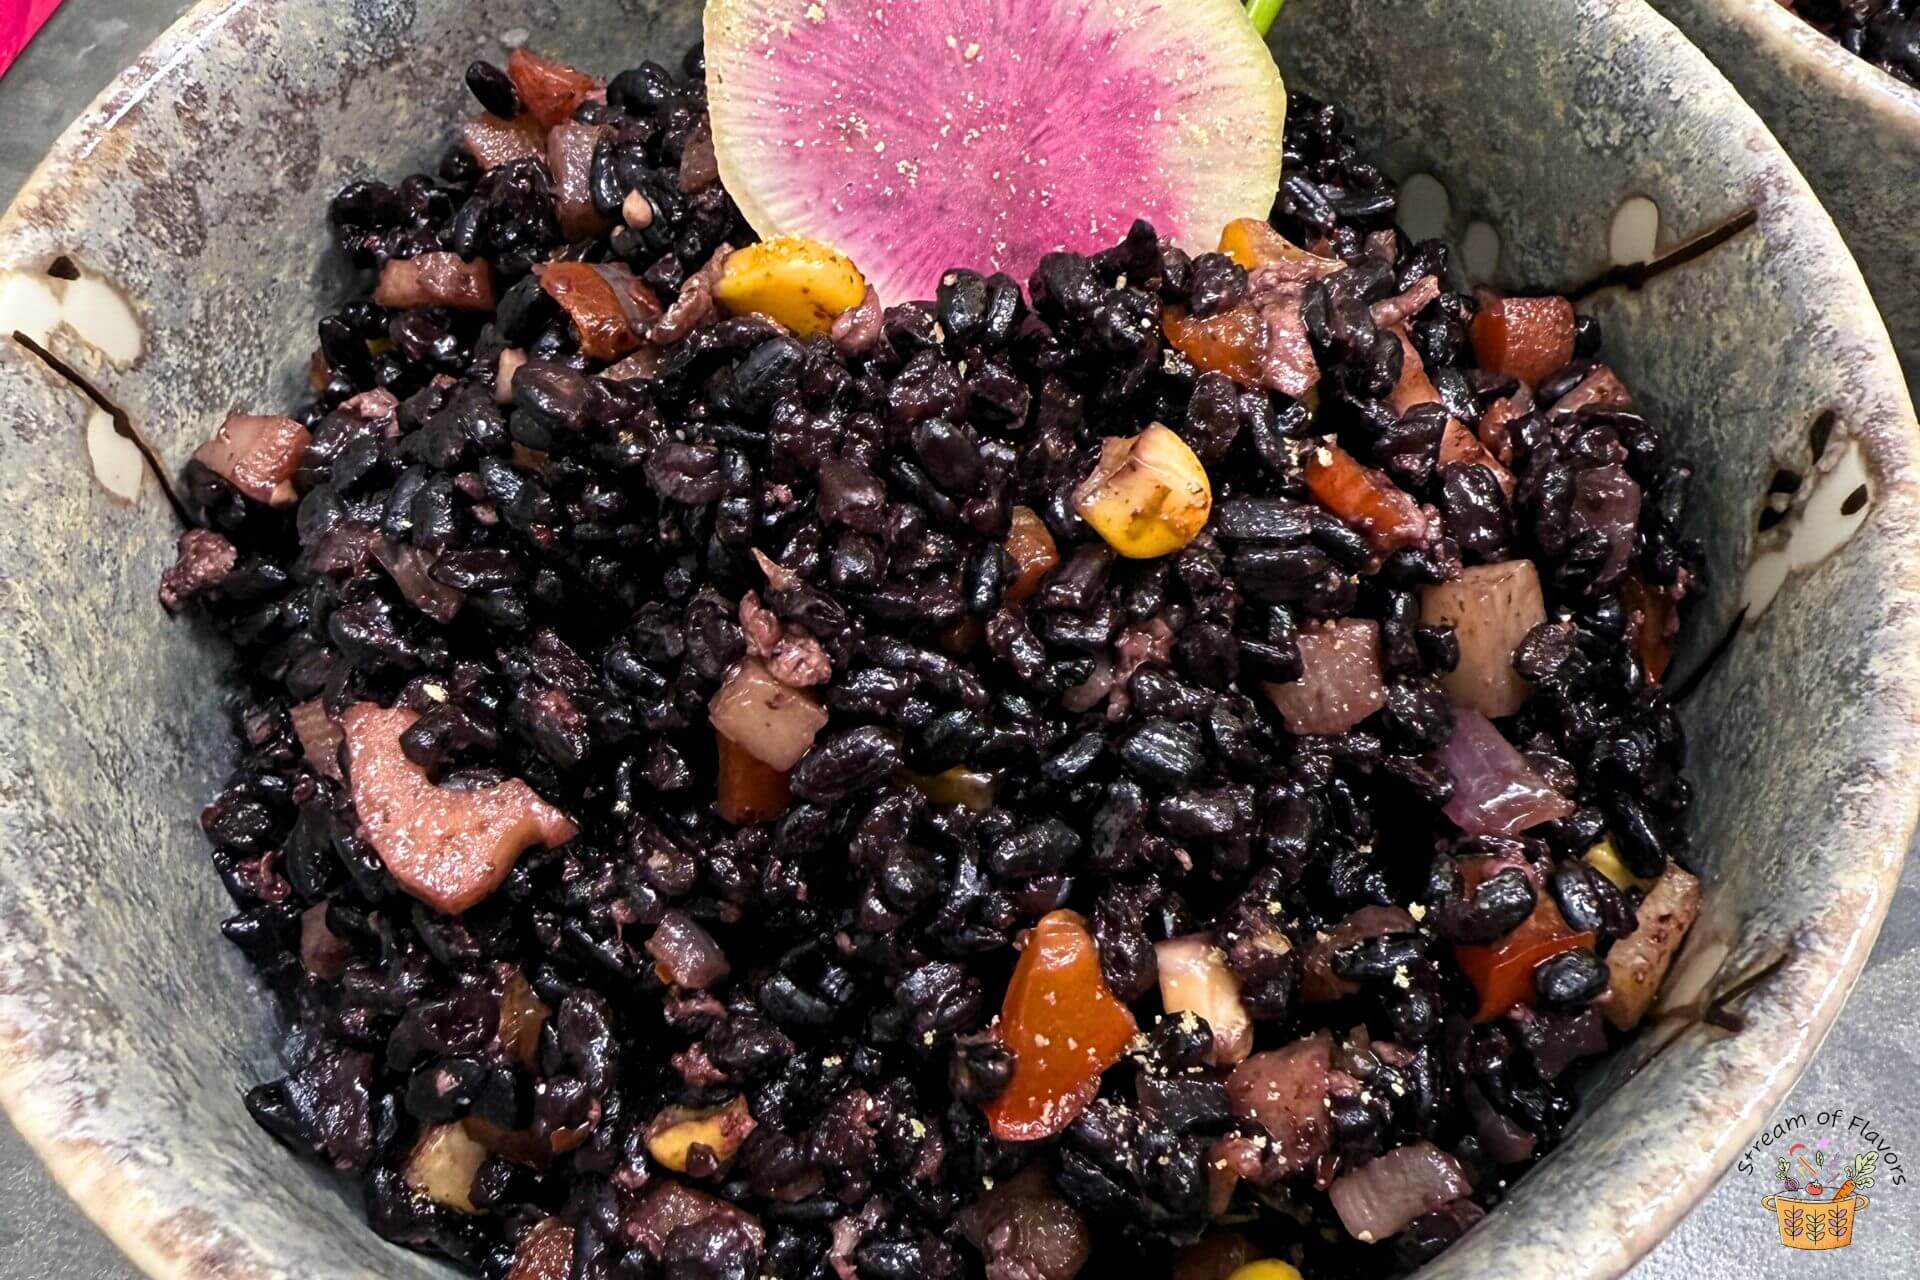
<point x="447" y="848"/>
<point x="1031" y="545"/>
<point x="591" y="297"/>
<point x="493" y="142"/>
<point x="748" y="790"/>
<point x="1459" y="445"/>
<point x="1502" y="972"/>
<point x="1253" y="243"/>
<point x="546" y="1253"/>
<point x="1653" y="627"/>
<point x="1527" y="338"/>
<point x="1063" y="1027"/>
<point x="1228" y="342"/>
<point x="551" y="90"/>
<point x="1365" y="499"/>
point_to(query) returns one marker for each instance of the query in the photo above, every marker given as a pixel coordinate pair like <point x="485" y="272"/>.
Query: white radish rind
<point x="920" y="135"/>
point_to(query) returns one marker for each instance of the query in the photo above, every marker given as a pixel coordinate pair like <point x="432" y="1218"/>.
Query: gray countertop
<point x="1866" y="1072"/>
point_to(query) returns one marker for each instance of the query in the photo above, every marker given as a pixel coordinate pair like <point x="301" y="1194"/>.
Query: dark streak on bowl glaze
<point x="122" y="1018"/>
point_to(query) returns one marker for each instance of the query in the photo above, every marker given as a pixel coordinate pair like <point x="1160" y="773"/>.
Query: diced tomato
<point x="1651" y="616"/>
<point x="1414" y="386"/>
<point x="606" y="302"/>
<point x="493" y="142"/>
<point x="747" y="790"/>
<point x="1031" y="545"/>
<point x="546" y="1252"/>
<point x="1460" y="446"/>
<point x="1502" y="972"/>
<point x="1228" y="342"/>
<point x="551" y="90"/>
<point x="1365" y="499"/>
<point x="1063" y="1027"/>
<point x="1526" y="338"/>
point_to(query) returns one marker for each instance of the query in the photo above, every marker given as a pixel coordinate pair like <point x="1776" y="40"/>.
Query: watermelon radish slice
<point x="921" y="135"/>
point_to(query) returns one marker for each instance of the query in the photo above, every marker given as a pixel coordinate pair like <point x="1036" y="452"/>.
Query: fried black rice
<point x="590" y="541"/>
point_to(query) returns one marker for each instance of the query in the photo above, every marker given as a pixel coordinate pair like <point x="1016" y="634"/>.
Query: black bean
<point x="1570" y="979"/>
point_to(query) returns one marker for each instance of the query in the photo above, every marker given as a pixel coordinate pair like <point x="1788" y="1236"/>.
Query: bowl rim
<point x="1814" y="50"/>
<point x="113" y="1198"/>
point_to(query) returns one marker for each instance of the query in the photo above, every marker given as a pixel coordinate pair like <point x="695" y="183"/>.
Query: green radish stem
<point x="1262" y="13"/>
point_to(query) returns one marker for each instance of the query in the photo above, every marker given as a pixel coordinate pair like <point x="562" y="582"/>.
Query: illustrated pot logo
<point x="1810" y="1217"/>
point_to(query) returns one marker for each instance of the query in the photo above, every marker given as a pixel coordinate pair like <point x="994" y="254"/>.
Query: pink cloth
<point x="19" y="19"/>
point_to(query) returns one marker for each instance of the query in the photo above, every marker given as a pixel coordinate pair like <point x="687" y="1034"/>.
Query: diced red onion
<point x="1495" y="791"/>
<point x="1391" y="311"/>
<point x="1383" y="1195"/>
<point x="512" y="359"/>
<point x="1287" y="364"/>
<point x="1087" y="694"/>
<point x="1601" y="389"/>
<point x="493" y="142"/>
<point x="1340" y="682"/>
<point x="436" y="280"/>
<point x="1504" y="1141"/>
<point x="1285" y="1090"/>
<point x="769" y="721"/>
<point x="644" y="363"/>
<point x="1383" y="246"/>
<point x="1194" y="978"/>
<point x="408" y="566"/>
<point x="1459" y="446"/>
<point x="856" y="330"/>
<point x="1490" y="607"/>
<point x="570" y="160"/>
<point x="323" y="953"/>
<point x="693" y="306"/>
<point x="669" y="1205"/>
<point x="372" y="406"/>
<point x="1608" y="499"/>
<point x="1319" y="984"/>
<point x="699" y="166"/>
<point x="257" y="455"/>
<point x="1026" y="1230"/>
<point x="319" y="735"/>
<point x="685" y="953"/>
<point x="848" y="1232"/>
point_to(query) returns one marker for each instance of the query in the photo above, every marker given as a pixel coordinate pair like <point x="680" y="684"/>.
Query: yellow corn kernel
<point x="801" y="283"/>
<point x="1266" y="1269"/>
<point x="442" y="1164"/>
<point x="673" y="1133"/>
<point x="958" y="785"/>
<point x="1148" y="495"/>
<point x="1605" y="859"/>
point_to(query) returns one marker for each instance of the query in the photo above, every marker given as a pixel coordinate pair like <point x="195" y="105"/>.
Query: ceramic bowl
<point x="1853" y="129"/>
<point x="189" y="204"/>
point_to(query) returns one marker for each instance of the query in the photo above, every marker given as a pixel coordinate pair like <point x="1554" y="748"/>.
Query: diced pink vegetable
<point x="1601" y="389"/>
<point x="320" y="737"/>
<point x="512" y="359"/>
<point x="1319" y="984"/>
<point x="1382" y="1196"/>
<point x="1608" y="499"/>
<point x="1285" y="1090"/>
<point x="323" y="953"/>
<point x="436" y="280"/>
<point x="1459" y="446"/>
<point x="1490" y="607"/>
<point x="769" y="721"/>
<point x="699" y="167"/>
<point x="685" y="954"/>
<point x="1194" y="978"/>
<point x="257" y="455"/>
<point x="448" y="848"/>
<point x="570" y="160"/>
<point x="1495" y="429"/>
<point x="493" y="142"/>
<point x="407" y="565"/>
<point x="1504" y="1141"/>
<point x="1638" y="963"/>
<point x="1026" y="1230"/>
<point x="668" y="1206"/>
<point x="1414" y="386"/>
<point x="1340" y="682"/>
<point x="1391" y="311"/>
<point x="1495" y="791"/>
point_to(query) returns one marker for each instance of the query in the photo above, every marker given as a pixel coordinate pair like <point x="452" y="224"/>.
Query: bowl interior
<point x="195" y="191"/>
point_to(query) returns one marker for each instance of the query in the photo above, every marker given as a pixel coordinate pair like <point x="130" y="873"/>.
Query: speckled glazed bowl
<point x="1853" y="129"/>
<point x="189" y="200"/>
